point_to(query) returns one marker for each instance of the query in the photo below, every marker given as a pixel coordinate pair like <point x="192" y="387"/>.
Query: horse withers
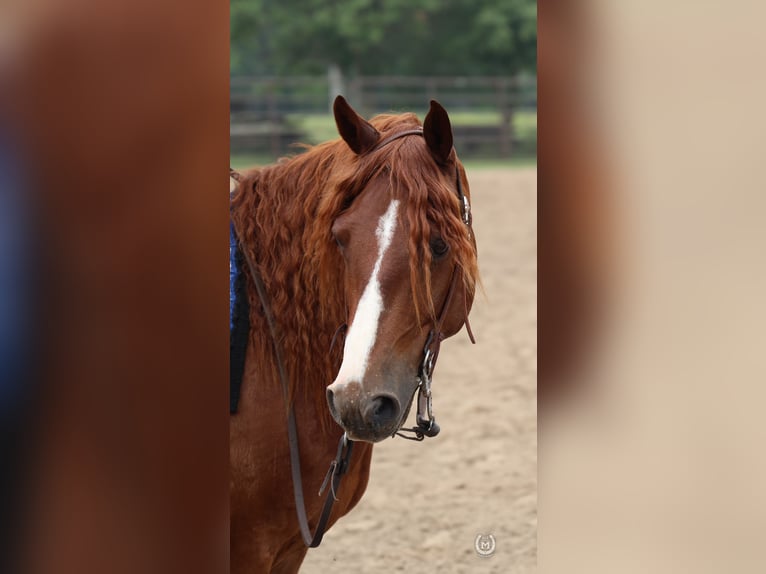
<point x="362" y="260"/>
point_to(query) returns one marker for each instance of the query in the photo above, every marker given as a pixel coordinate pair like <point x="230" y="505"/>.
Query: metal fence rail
<point x="267" y="112"/>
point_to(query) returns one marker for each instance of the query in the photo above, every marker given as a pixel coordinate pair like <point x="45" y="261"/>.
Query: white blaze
<point x="364" y="328"/>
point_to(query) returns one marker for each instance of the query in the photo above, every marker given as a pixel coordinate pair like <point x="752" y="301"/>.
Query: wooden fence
<point x="268" y="115"/>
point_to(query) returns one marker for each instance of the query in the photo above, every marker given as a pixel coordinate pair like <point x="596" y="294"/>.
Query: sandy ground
<point x="427" y="502"/>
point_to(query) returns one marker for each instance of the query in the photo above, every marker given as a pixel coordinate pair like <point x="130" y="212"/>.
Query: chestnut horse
<point x="368" y="239"/>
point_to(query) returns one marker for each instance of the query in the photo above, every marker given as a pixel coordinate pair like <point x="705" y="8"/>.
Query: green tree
<point x="465" y="37"/>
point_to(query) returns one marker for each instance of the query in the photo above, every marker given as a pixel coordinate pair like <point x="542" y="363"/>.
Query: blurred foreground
<point x="114" y="455"/>
<point x="650" y="428"/>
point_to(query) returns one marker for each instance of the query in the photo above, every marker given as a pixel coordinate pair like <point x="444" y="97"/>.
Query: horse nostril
<point x="382" y="410"/>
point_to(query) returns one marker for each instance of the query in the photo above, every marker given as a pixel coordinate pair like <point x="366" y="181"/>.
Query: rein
<point x="338" y="466"/>
<point x="426" y="423"/>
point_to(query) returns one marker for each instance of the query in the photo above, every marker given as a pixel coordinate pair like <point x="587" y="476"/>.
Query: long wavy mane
<point x="284" y="214"/>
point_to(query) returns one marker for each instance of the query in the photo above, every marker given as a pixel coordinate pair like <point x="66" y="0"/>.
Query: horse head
<point x="409" y="265"/>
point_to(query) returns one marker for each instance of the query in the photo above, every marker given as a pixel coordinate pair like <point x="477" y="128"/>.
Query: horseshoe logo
<point x="484" y="545"/>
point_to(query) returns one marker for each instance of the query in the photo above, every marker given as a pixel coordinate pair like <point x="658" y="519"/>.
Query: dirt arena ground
<point x="427" y="502"/>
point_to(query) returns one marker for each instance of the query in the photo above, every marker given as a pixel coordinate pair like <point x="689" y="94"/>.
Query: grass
<point x="243" y="161"/>
<point x="321" y="127"/>
<point x="512" y="163"/>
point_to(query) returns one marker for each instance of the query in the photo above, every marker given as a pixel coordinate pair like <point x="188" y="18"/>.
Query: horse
<point x="361" y="259"/>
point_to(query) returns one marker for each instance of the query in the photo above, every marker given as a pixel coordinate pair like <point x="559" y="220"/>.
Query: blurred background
<point x="290" y="59"/>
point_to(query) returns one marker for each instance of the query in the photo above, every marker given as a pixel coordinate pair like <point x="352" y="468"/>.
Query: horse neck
<point x="278" y="227"/>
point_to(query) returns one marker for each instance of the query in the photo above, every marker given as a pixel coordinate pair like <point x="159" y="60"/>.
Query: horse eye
<point x="439" y="247"/>
<point x="340" y="237"/>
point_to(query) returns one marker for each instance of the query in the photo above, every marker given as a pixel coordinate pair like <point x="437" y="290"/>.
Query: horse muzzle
<point x="365" y="416"/>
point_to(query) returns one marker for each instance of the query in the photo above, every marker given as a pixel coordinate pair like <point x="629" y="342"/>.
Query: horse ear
<point x="359" y="134"/>
<point x="438" y="132"/>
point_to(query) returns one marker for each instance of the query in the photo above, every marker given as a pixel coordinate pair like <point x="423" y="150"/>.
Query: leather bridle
<point x="426" y="423"/>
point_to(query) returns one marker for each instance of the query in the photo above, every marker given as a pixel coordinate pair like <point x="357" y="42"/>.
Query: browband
<point x="388" y="140"/>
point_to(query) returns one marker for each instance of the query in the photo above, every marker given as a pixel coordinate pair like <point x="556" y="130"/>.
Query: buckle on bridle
<point x="427" y="369"/>
<point x="466" y="212"/>
<point x="338" y="466"/>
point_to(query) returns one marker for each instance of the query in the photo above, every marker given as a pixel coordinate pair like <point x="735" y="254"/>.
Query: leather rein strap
<point x="338" y="466"/>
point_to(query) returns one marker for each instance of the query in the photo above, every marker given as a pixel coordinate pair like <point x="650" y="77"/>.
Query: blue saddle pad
<point x="234" y="270"/>
<point x="239" y="320"/>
